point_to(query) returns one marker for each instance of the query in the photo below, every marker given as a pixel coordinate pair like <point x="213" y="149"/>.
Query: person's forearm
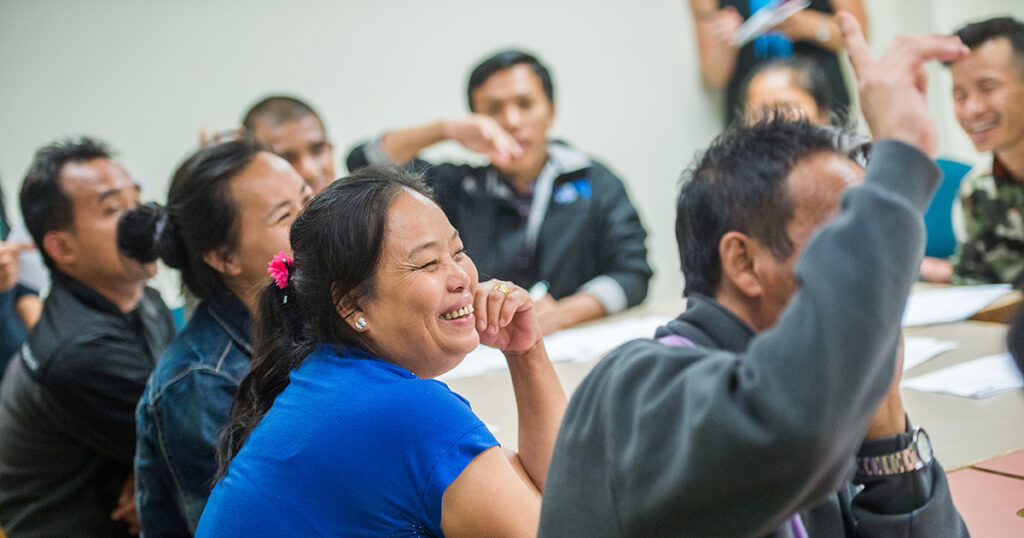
<point x="717" y="63"/>
<point x="579" y="307"/>
<point x="717" y="67"/>
<point x="403" y="145"/>
<point x="717" y="60"/>
<point x="936" y="270"/>
<point x="540" y="404"/>
<point x="818" y="28"/>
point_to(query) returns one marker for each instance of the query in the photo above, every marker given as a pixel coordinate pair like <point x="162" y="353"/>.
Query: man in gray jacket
<point x="771" y="406"/>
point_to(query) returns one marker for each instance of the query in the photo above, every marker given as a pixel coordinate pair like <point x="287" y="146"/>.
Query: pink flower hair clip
<point x="279" y="268"/>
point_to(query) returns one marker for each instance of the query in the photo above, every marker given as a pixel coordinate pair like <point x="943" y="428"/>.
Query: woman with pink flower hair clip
<point x="339" y="429"/>
<point x="228" y="211"/>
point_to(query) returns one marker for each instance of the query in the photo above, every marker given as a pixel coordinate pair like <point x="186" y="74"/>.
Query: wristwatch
<point x="917" y="455"/>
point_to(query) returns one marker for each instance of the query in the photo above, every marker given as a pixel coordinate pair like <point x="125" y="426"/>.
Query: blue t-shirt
<point x="354" y="446"/>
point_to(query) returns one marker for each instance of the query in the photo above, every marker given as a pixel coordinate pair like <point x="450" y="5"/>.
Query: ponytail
<point x="281" y="343"/>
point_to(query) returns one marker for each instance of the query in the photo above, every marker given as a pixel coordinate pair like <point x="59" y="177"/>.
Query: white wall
<point x="144" y="76"/>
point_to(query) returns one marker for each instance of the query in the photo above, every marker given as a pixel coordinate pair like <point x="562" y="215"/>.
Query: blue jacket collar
<point x="233" y="317"/>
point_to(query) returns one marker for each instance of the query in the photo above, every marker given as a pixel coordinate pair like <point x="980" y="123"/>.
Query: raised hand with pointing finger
<point x="893" y="87"/>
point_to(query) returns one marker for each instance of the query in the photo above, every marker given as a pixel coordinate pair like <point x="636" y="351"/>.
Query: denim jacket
<point x="185" y="405"/>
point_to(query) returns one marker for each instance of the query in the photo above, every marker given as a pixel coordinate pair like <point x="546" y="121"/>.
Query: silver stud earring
<point x="360" y="324"/>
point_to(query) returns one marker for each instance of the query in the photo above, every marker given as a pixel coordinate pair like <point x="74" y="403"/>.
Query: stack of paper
<point x="979" y="378"/>
<point x="581" y="344"/>
<point x="918" y="349"/>
<point x="948" y="305"/>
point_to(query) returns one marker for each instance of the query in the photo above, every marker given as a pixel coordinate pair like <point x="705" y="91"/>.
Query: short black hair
<point x="505" y="59"/>
<point x="739" y="184"/>
<point x="45" y="205"/>
<point x="275" y="110"/>
<point x="804" y="73"/>
<point x="978" y="33"/>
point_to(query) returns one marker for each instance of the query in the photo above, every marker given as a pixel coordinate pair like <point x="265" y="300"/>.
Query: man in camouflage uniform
<point x="988" y="92"/>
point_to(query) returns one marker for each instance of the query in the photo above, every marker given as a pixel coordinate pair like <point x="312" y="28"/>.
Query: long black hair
<point x="199" y="217"/>
<point x="337" y="243"/>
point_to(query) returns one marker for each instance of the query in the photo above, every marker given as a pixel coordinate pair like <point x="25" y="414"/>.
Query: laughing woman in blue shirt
<point x="339" y="428"/>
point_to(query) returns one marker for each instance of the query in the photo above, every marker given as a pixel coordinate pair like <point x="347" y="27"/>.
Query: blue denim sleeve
<point x="177" y="460"/>
<point x="155" y="498"/>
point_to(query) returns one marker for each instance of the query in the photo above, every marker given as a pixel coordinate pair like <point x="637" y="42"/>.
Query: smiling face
<point x="988" y="96"/>
<point x="515" y="98"/>
<point x="420" y="313"/>
<point x="100" y="191"/>
<point x="268" y="194"/>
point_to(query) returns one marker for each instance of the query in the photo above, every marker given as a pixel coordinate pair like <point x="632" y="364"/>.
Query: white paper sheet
<point x="766" y="18"/>
<point x="581" y="344"/>
<point x="918" y="349"/>
<point x="947" y="305"/>
<point x="979" y="378"/>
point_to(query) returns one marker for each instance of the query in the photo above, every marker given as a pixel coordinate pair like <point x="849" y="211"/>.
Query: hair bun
<point x="147" y="232"/>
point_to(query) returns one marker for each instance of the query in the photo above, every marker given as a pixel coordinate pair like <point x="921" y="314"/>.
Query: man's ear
<point x="738" y="253"/>
<point x="554" y="115"/>
<point x="60" y="246"/>
<point x="223" y="261"/>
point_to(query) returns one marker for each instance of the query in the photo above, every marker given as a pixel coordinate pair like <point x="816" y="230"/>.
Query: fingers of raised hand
<point x="496" y="303"/>
<point x="856" y="46"/>
<point x="486" y="303"/>
<point x="15" y="247"/>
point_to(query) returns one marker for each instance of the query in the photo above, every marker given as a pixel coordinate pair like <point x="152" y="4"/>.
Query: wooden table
<point x="964" y="430"/>
<point x="1001" y="310"/>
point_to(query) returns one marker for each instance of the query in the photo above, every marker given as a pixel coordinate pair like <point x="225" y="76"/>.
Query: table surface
<point x="963" y="431"/>
<point x="991" y="504"/>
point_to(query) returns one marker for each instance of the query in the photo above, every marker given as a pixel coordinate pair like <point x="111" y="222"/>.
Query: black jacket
<point x="67" y="411"/>
<point x="734" y="435"/>
<point x="589" y="237"/>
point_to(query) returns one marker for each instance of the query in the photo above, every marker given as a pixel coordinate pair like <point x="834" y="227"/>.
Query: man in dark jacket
<point x="770" y="407"/>
<point x="67" y="403"/>
<point x="542" y="211"/>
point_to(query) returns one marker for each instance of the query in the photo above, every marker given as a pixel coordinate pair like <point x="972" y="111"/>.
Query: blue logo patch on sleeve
<point x="572" y="191"/>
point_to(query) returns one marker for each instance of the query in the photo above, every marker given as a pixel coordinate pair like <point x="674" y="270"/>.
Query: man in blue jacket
<point x="542" y="213"/>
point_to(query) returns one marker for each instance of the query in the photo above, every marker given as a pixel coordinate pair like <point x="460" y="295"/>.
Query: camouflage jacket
<point x="993" y="211"/>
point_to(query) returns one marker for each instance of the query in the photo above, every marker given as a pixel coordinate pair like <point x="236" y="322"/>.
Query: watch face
<point x="924" y="446"/>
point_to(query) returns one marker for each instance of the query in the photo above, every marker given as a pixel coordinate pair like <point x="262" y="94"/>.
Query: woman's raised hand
<point x="505" y="317"/>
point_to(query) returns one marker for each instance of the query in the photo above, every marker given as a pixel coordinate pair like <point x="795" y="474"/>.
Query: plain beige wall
<point x="144" y="76"/>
